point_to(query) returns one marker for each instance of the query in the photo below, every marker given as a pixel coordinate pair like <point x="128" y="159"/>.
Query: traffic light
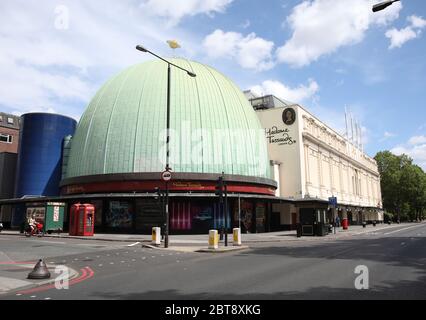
<point x="160" y="194"/>
<point x="219" y="187"/>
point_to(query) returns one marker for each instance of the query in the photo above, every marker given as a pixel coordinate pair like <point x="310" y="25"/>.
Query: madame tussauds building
<point x="118" y="152"/>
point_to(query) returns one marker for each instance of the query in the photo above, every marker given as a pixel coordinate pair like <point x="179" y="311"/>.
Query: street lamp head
<point x="191" y="74"/>
<point x="140" y="48"/>
<point x="383" y="5"/>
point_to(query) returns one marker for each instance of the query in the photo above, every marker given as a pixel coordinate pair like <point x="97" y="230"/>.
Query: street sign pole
<point x="166" y="232"/>
<point x="166" y="176"/>
<point x="226" y="213"/>
<point x="333" y="202"/>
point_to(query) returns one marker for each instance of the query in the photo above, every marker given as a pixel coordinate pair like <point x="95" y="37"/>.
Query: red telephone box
<point x="82" y="220"/>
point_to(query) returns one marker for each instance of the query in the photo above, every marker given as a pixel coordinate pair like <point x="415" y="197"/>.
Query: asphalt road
<point x="323" y="269"/>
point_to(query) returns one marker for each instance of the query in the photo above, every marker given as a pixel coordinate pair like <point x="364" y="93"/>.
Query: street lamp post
<point x="383" y="5"/>
<point x="191" y="74"/>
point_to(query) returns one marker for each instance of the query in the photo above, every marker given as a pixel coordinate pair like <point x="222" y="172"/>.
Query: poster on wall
<point x="120" y="215"/>
<point x="246" y="216"/>
<point x="55" y="213"/>
<point x="260" y="217"/>
<point x="37" y="213"/>
<point x="202" y="217"/>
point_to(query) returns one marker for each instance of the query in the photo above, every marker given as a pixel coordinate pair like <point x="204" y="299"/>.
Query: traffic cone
<point x="40" y="271"/>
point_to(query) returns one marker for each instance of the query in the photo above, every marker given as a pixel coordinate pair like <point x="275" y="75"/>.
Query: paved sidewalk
<point x="202" y="240"/>
<point x="12" y="274"/>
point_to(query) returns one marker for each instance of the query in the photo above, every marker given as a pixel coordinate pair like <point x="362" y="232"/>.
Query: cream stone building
<point x="312" y="162"/>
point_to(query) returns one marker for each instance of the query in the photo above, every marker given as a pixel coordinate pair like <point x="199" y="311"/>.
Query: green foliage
<point x="403" y="186"/>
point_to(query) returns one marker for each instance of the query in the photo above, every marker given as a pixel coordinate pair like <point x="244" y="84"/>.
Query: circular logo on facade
<point x="166" y="176"/>
<point x="289" y="116"/>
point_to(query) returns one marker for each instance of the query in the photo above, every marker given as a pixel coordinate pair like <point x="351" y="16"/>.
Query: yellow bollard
<point x="156" y="236"/>
<point x="213" y="239"/>
<point x="237" y="237"/>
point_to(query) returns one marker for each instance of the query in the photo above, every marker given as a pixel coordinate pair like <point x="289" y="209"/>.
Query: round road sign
<point x="166" y="176"/>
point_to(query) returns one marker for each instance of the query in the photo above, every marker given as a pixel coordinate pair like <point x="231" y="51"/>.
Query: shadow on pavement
<point x="398" y="290"/>
<point x="401" y="251"/>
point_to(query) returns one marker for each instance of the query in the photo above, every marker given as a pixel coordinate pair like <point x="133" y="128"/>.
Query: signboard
<point x="332" y="201"/>
<point x="55" y="214"/>
<point x="280" y="137"/>
<point x="166" y="176"/>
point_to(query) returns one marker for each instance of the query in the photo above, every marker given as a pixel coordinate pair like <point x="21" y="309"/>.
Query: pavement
<point x="200" y="241"/>
<point x="268" y="266"/>
<point x="18" y="271"/>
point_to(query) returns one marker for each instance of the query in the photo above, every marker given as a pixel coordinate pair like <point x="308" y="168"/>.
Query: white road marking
<point x="143" y="258"/>
<point x="133" y="244"/>
<point x="123" y="261"/>
<point x="100" y="265"/>
<point x="395" y="231"/>
<point x="402" y="243"/>
<point x="133" y="260"/>
<point x="152" y="256"/>
<point x="19" y="294"/>
<point x="47" y="298"/>
<point x="177" y="261"/>
<point x="33" y="297"/>
<point x="111" y="263"/>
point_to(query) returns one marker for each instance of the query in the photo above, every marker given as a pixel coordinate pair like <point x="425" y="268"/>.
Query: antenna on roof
<point x="346" y="123"/>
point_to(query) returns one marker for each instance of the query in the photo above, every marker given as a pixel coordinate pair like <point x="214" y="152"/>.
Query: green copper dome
<point x="214" y="128"/>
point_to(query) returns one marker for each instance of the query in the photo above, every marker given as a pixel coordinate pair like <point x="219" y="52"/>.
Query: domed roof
<point x="214" y="128"/>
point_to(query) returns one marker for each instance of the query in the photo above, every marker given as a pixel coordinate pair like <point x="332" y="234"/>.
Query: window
<point x="10" y="120"/>
<point x="1" y="118"/>
<point x="6" y="138"/>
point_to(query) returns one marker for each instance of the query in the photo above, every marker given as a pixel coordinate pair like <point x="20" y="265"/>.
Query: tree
<point x="403" y="185"/>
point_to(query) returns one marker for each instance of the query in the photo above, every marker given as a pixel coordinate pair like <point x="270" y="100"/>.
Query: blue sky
<point x="323" y="54"/>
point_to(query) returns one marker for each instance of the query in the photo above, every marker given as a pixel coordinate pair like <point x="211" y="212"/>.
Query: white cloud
<point x="251" y="52"/>
<point x="417" y="22"/>
<point x="43" y="67"/>
<point x="387" y="135"/>
<point x="175" y="10"/>
<point x="400" y="36"/>
<point x="296" y="95"/>
<point x="320" y="27"/>
<point x="416" y="140"/>
<point x="415" y="148"/>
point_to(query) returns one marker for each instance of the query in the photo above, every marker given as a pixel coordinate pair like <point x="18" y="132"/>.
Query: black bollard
<point x="40" y="271"/>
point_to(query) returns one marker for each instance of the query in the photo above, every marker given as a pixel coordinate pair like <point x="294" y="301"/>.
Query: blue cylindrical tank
<point x="40" y="153"/>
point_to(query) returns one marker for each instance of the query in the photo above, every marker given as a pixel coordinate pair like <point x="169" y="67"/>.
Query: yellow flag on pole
<point x="173" y="44"/>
